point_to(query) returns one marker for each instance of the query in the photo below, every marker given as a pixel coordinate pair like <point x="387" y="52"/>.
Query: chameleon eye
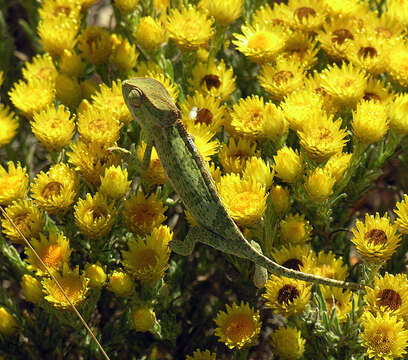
<point x="135" y="98"/>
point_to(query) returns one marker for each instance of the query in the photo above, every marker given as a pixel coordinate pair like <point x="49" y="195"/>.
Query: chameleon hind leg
<point x="186" y="247"/>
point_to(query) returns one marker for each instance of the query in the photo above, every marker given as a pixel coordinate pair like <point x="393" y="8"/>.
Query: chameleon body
<point x="154" y="109"/>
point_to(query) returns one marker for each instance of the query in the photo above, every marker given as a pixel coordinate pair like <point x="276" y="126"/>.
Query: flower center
<point x="260" y="41"/>
<point x="304" y="12"/>
<point x="142" y="214"/>
<point x="371" y="96"/>
<point x="204" y="116"/>
<point x="383" y="32"/>
<point x="287" y="294"/>
<point x="20" y="219"/>
<point x="282" y="77"/>
<point x="97" y="212"/>
<point x="341" y="35"/>
<point x="211" y="81"/>
<point x="146" y="258"/>
<point x="293" y="264"/>
<point x="239" y="327"/>
<point x="72" y="287"/>
<point x="381" y="341"/>
<point x="52" y="255"/>
<point x="53" y="188"/>
<point x="244" y="201"/>
<point x="389" y="298"/>
<point x="376" y="236"/>
<point x="367" y="51"/>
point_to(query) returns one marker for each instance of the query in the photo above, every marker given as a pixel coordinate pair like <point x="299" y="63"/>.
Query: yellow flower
<point x="244" y="199"/>
<point x="398" y="11"/>
<point x="53" y="127"/>
<point x="154" y="174"/>
<point x="124" y="54"/>
<point x="367" y="53"/>
<point x="41" y="67"/>
<point x="337" y="36"/>
<point x="95" y="45"/>
<point x="276" y="16"/>
<point x="224" y="12"/>
<point x="142" y="214"/>
<point x="339" y="300"/>
<point x="110" y="100"/>
<point x="59" y="9"/>
<point x="161" y="6"/>
<point x="239" y="326"/>
<point x="55" y="191"/>
<point x="74" y="284"/>
<point x="26" y="216"/>
<point x="319" y="184"/>
<point x="252" y="118"/>
<point x="338" y="164"/>
<point x="143" y="318"/>
<point x="327" y="265"/>
<point x="150" y="33"/>
<point x="345" y="8"/>
<point x="58" y="34"/>
<point x="306" y="15"/>
<point x="300" y="106"/>
<point x="261" y="42"/>
<point x="121" y="284"/>
<point x="396" y="62"/>
<point x="370" y="121"/>
<point x="189" y="28"/>
<point x="53" y="250"/>
<point x="301" y="48"/>
<point x="145" y="67"/>
<point x="398" y="113"/>
<point x="202" y="109"/>
<point x="280" y="199"/>
<point x="376" y="239"/>
<point x="91" y="160"/>
<point x="96" y="275"/>
<point x="282" y="78"/>
<point x="287" y="296"/>
<point x="233" y="157"/>
<point x="259" y="170"/>
<point x="384" y="336"/>
<point x="8" y="125"/>
<point x="94" y="216"/>
<point x="402" y="214"/>
<point x="32" y="97"/>
<point x="71" y="64"/>
<point x="98" y="126"/>
<point x="32" y="289"/>
<point x="202" y="355"/>
<point x="214" y="79"/>
<point x="293" y="256"/>
<point x="203" y="136"/>
<point x="321" y="137"/>
<point x="147" y="259"/>
<point x="295" y="229"/>
<point x="346" y="84"/>
<point x="8" y="325"/>
<point x="390" y="294"/>
<point x="289" y="164"/>
<point x="13" y="183"/>
<point x="114" y="183"/>
<point x="287" y="343"/>
<point x="126" y="6"/>
<point x="68" y="90"/>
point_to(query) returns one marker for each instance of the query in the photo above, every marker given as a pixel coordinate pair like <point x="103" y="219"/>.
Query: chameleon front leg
<point x="147" y="154"/>
<point x="186" y="247"/>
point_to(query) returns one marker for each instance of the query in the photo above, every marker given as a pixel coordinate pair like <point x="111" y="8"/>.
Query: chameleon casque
<point x="154" y="109"/>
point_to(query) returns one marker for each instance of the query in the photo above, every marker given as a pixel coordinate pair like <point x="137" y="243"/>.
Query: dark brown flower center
<point x="287" y="294"/>
<point x="282" y="77"/>
<point x="376" y="236"/>
<point x="371" y="96"/>
<point x="51" y="189"/>
<point x="304" y="12"/>
<point x="367" y="51"/>
<point x="204" y="116"/>
<point x="341" y="35"/>
<point x="293" y="264"/>
<point x="389" y="298"/>
<point x="98" y="212"/>
<point x="211" y="81"/>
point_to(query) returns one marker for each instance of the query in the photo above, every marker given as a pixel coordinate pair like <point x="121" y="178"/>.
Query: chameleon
<point x="155" y="111"/>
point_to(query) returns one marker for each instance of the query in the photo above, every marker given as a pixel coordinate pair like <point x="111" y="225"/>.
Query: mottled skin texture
<point x="153" y="108"/>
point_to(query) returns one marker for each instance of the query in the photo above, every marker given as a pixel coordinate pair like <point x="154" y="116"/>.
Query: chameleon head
<point x="149" y="101"/>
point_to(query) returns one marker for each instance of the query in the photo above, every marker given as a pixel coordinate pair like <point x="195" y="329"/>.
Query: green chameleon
<point x="154" y="109"/>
